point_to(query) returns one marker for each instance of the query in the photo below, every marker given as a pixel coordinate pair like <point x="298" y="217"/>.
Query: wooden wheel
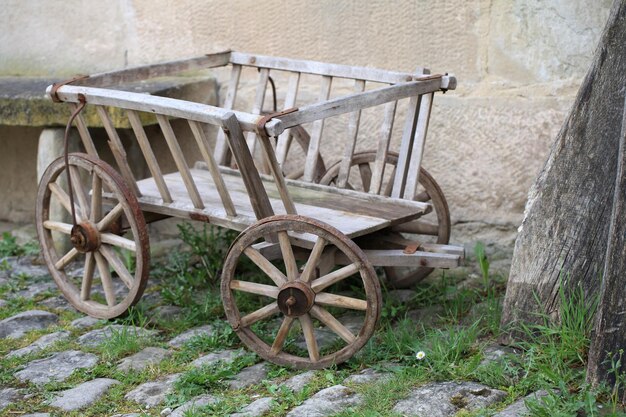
<point x="105" y="267"/>
<point x="270" y="305"/>
<point x="431" y="228"/>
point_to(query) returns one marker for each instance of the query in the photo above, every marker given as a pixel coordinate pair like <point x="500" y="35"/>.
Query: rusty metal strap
<point x="260" y="124"/>
<point x="56" y="86"/>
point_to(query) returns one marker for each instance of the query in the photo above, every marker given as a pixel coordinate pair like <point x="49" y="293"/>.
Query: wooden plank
<point x="258" y="196"/>
<point x="161" y="105"/>
<point x="350" y="103"/>
<point x="203" y="145"/>
<point x="316" y="136"/>
<point x="84" y="134"/>
<point x="179" y="160"/>
<point x="406" y="145"/>
<point x="321" y="68"/>
<point x="117" y="148"/>
<point x="284" y="140"/>
<point x="397" y="257"/>
<point x="257" y="106"/>
<point x="412" y="180"/>
<point x="145" y="72"/>
<point x="383" y="148"/>
<point x="353" y="132"/>
<point x="221" y="147"/>
<point x="151" y="161"/>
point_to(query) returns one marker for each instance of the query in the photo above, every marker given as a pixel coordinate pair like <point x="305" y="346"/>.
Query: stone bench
<point x="25" y="108"/>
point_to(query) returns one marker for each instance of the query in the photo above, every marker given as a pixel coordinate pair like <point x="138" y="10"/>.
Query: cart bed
<point x="348" y="211"/>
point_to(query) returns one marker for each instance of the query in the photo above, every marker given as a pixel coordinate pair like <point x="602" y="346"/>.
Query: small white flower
<point x="420" y="355"/>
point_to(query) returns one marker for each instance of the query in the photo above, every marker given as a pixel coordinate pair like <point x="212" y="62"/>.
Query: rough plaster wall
<point x="519" y="63"/>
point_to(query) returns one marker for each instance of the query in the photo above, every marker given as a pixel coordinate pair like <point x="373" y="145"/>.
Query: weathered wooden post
<point x="609" y="334"/>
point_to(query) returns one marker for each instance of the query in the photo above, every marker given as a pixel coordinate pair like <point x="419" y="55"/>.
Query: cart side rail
<point x="145" y="72"/>
<point x="159" y="105"/>
<point x="325" y="69"/>
<point x="359" y="101"/>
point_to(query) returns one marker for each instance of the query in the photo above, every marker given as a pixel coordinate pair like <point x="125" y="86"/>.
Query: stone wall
<point x="519" y="63"/>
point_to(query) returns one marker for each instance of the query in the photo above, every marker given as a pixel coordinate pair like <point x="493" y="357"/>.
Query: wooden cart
<point x="308" y="234"/>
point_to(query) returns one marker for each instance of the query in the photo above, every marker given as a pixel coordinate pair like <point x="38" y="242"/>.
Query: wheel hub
<point x="85" y="237"/>
<point x="295" y="299"/>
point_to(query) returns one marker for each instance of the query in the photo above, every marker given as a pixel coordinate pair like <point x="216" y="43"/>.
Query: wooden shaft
<point x="117" y="148"/>
<point x="207" y="155"/>
<point x="179" y="160"/>
<point x="84" y="134"/>
<point x="145" y="72"/>
<point x="151" y="160"/>
<point x="406" y="144"/>
<point x="417" y="152"/>
<point x="221" y="146"/>
<point x="258" y="196"/>
<point x="383" y="148"/>
<point x="316" y="136"/>
<point x="353" y="132"/>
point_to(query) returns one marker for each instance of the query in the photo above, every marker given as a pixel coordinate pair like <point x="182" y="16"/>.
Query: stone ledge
<point x="23" y="100"/>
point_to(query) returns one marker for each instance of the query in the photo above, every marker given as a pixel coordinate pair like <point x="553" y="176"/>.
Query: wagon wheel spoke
<point x="79" y="192"/>
<point x="366" y="176"/>
<point x="334" y="277"/>
<point x="96" y="198"/>
<point x="117" y="264"/>
<point x="254" y="288"/>
<point x="332" y="323"/>
<point x="266" y="266"/>
<point x="260" y="314"/>
<point x="313" y="260"/>
<point x="309" y="337"/>
<point x="58" y="226"/>
<point x="90" y="264"/>
<point x="118" y="241"/>
<point x="110" y="217"/>
<point x="105" y="277"/>
<point x="64" y="199"/>
<point x="281" y="335"/>
<point x="66" y="259"/>
<point x="334" y="300"/>
<point x="290" y="260"/>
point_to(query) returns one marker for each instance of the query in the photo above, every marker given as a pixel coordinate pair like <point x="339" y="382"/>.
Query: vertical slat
<point x="418" y="147"/>
<point x="284" y="140"/>
<point x="259" y="98"/>
<point x="353" y="132"/>
<point x="279" y="179"/>
<point x="84" y="134"/>
<point x="153" y="165"/>
<point x="221" y="147"/>
<point x="405" y="146"/>
<point x="179" y="160"/>
<point x="316" y="135"/>
<point x="203" y="145"/>
<point x="383" y="148"/>
<point x="118" y="150"/>
<point x="251" y="178"/>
